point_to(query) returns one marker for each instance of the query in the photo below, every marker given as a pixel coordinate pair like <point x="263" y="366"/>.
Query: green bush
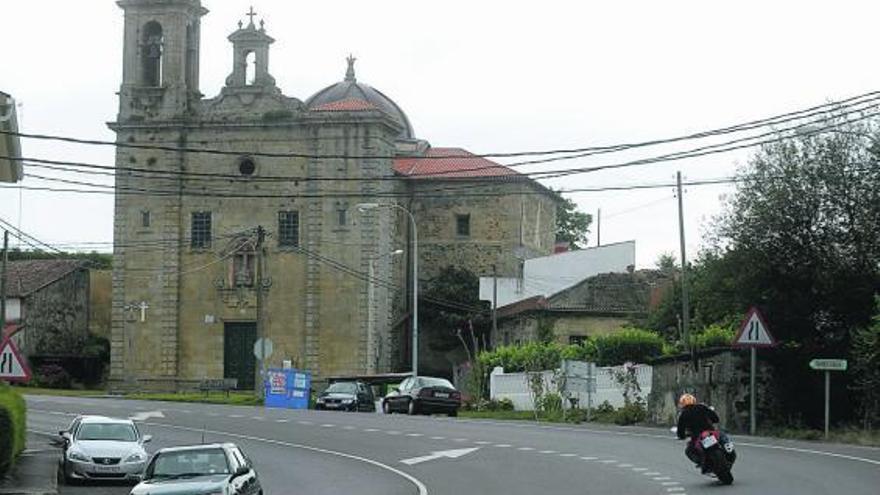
<point x="631" y="413"/>
<point x="12" y="427"/>
<point x="631" y="344"/>
<point x="549" y="403"/>
<point x="713" y="336"/>
<point x="535" y="356"/>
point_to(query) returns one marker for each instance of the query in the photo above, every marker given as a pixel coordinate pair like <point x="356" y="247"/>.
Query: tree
<point x="866" y="367"/>
<point x="572" y="226"/>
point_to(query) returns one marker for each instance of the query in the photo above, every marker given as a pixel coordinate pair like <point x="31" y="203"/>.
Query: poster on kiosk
<point x="287" y="388"/>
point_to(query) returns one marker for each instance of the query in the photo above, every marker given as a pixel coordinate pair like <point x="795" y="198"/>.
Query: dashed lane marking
<point x="370" y="430"/>
<point x="415" y="435"/>
<point x="482" y="442"/>
<point x="236" y="416"/>
<point x="525" y="448"/>
<point x="282" y="420"/>
<point x="624" y="465"/>
<point x="438" y="438"/>
<point x="608" y="461"/>
<point x="567" y="455"/>
<point x="547" y="452"/>
<point x="639" y="469"/>
<point x="588" y="458"/>
<point x="502" y="445"/>
<point x="670" y="483"/>
<point x="662" y="478"/>
<point x="675" y="489"/>
<point x="306" y="423"/>
<point x="651" y="473"/>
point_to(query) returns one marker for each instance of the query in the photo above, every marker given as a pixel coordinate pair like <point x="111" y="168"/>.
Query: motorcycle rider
<point x="694" y="419"/>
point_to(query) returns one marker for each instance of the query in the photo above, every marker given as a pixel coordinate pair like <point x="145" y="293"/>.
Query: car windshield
<point x="435" y="382"/>
<point x="342" y="388"/>
<point x="119" y="432"/>
<point x="189" y="463"/>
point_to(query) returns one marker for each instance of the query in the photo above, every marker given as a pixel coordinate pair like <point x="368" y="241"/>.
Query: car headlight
<point x="75" y="455"/>
<point x="136" y="457"/>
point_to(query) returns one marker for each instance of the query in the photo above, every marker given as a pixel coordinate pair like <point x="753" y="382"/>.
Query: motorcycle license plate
<point x="709" y="441"/>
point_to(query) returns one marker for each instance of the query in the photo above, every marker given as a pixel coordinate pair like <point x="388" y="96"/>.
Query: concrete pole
<point x="599" y="227"/>
<point x="370" y="323"/>
<point x="754" y="364"/>
<point x="261" y="332"/>
<point x="415" y="325"/>
<point x="494" y="302"/>
<point x="685" y="302"/>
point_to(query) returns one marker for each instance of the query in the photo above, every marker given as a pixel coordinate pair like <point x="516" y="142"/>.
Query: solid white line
<point x="423" y="490"/>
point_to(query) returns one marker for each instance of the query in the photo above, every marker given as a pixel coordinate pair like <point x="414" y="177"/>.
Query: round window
<point x="246" y="166"/>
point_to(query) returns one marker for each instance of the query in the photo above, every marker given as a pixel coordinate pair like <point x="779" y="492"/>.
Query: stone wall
<point x="100" y="301"/>
<point x="56" y="317"/>
<point x="721" y="379"/>
<point x="525" y="327"/>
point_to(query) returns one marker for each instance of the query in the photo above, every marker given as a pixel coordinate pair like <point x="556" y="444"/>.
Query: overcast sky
<point x="489" y="76"/>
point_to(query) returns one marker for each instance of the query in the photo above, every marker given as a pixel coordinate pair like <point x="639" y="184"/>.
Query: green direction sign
<point x="828" y="364"/>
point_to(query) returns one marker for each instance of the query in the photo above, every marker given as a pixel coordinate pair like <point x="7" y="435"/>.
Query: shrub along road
<point x="326" y="452"/>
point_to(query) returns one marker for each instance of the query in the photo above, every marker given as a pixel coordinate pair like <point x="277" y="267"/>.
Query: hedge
<point x="628" y="345"/>
<point x="12" y="427"/>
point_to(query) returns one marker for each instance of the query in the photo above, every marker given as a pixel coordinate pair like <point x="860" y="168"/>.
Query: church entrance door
<point x="238" y="353"/>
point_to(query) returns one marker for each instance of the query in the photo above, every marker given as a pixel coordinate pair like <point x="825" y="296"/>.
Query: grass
<point x="543" y="417"/>
<point x="234" y="399"/>
<point x="60" y="391"/>
<point x="852" y="436"/>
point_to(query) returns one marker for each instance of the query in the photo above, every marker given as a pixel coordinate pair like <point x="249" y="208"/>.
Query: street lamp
<point x="362" y="207"/>
<point x="373" y="350"/>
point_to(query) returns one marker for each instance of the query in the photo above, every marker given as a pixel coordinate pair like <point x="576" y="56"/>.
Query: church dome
<point x="353" y="95"/>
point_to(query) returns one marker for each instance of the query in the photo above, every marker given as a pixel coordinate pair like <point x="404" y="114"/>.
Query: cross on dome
<point x="251" y="14"/>
<point x="349" y="73"/>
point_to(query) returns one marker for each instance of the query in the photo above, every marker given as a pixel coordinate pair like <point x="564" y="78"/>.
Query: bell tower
<point x="160" y="70"/>
<point x="250" y="57"/>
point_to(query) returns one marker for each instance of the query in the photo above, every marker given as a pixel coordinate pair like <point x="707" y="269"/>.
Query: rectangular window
<point x="288" y="228"/>
<point x="576" y="339"/>
<point x="145" y="218"/>
<point x="463" y="225"/>
<point x="342" y="217"/>
<point x="201" y="230"/>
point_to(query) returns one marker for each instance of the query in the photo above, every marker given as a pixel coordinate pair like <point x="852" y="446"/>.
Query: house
<point x="47" y="306"/>
<point x="10" y="144"/>
<point x="597" y="305"/>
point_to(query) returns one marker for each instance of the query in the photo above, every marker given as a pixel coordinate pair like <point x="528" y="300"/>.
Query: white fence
<point x="514" y="386"/>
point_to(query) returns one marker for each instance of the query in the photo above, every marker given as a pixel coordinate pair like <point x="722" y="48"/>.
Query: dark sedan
<point x="423" y="395"/>
<point x="347" y="396"/>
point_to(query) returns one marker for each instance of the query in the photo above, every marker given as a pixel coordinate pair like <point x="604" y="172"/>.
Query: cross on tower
<point x="251" y="14"/>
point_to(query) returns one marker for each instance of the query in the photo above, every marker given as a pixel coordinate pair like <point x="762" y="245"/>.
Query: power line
<point x="746" y="125"/>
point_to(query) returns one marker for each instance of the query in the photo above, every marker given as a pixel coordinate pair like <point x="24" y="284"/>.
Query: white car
<point x="101" y="448"/>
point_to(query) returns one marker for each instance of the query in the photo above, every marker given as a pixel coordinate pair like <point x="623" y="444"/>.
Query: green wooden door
<point x="238" y="353"/>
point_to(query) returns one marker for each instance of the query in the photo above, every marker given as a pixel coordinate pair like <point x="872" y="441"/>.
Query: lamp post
<point x="372" y="350"/>
<point x="362" y="207"/>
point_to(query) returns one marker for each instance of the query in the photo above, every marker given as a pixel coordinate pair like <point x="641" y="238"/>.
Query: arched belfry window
<point x="250" y="68"/>
<point x="151" y="54"/>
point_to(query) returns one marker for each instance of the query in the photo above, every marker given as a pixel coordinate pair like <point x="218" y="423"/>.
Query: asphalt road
<point x="316" y="452"/>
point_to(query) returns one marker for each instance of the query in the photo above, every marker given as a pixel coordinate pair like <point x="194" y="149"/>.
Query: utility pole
<point x="685" y="302"/>
<point x="261" y="235"/>
<point x="599" y="227"/>
<point x="3" y="281"/>
<point x="494" y="302"/>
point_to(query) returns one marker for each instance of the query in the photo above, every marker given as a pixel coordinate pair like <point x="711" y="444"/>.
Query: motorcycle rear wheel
<point x="721" y="466"/>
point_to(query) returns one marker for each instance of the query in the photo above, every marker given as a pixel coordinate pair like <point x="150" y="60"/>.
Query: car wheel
<point x="412" y="408"/>
<point x="386" y="407"/>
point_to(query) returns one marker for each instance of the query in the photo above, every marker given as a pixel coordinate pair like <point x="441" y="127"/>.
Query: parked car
<point x="200" y="469"/>
<point x="101" y="448"/>
<point x="423" y="395"/>
<point x="347" y="396"/>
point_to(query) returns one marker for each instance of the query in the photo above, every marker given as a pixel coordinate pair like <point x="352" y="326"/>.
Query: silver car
<point x="100" y="448"/>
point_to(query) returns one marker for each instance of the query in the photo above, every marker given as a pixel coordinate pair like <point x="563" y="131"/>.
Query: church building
<point x="254" y="214"/>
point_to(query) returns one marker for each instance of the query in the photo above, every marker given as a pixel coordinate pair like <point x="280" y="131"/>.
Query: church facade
<point x="254" y="214"/>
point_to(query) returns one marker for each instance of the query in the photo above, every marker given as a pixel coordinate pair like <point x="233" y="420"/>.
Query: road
<point x="317" y="452"/>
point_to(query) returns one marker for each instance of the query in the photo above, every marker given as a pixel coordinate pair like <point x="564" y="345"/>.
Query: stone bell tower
<point x="160" y="75"/>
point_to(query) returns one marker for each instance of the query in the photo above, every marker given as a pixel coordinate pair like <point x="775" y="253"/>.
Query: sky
<point x="488" y="76"/>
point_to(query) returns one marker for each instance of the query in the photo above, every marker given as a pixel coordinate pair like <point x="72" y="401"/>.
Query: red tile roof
<point x="28" y="276"/>
<point x="346" y="105"/>
<point x="437" y="164"/>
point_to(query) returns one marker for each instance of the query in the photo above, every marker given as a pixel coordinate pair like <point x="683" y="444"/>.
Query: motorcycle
<point x="718" y="454"/>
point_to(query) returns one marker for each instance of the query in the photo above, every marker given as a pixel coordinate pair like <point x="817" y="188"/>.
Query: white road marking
<point x="567" y="455"/>
<point x="588" y="458"/>
<point x="460" y="440"/>
<point x="305" y="422"/>
<point x="652" y="473"/>
<point x="282" y="420"/>
<point x="547" y="452"/>
<point x="624" y="465"/>
<point x="440" y="454"/>
<point x="608" y="461"/>
<point x="639" y="469"/>
<point x="415" y="435"/>
<point x="675" y="489"/>
<point x="145" y="415"/>
<point x="438" y="438"/>
<point x="502" y="445"/>
<point x="662" y="478"/>
<point x="370" y="430"/>
<point x="525" y="448"/>
<point x="235" y="416"/>
<point x="670" y="483"/>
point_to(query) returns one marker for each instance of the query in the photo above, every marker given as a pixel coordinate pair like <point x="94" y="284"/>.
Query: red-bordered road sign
<point x="13" y="367"/>
<point x="754" y="331"/>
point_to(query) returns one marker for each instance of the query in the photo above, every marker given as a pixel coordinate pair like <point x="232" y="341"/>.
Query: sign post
<point x="263" y="349"/>
<point x="753" y="333"/>
<point x="828" y="365"/>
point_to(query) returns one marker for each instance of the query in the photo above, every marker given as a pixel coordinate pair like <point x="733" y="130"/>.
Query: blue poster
<point x="287" y="388"/>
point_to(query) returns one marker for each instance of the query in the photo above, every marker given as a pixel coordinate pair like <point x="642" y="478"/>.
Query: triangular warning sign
<point x="12" y="367"/>
<point x="754" y="331"/>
